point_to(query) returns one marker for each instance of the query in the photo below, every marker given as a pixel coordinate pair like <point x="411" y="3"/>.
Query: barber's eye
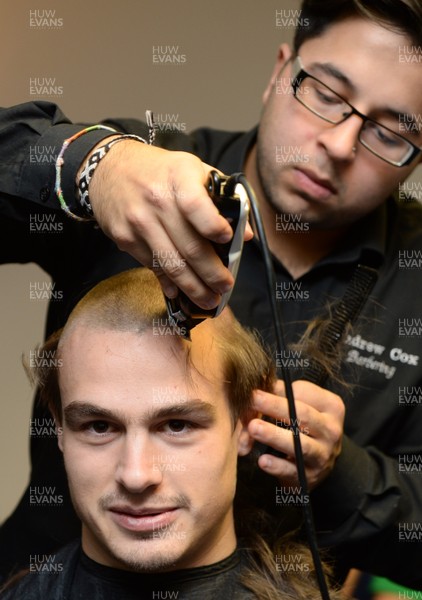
<point x="325" y="96"/>
<point x="382" y="135"/>
<point x="386" y="138"/>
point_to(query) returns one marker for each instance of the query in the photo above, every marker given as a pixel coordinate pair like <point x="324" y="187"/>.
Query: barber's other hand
<point x="320" y="418"/>
<point x="154" y="205"/>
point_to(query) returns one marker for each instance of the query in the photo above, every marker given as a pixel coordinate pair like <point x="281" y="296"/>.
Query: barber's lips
<point x="316" y="187"/>
<point x="143" y="520"/>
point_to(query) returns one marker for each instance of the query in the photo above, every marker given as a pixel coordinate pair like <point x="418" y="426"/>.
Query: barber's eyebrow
<point x="78" y="411"/>
<point x="332" y="71"/>
<point x="412" y="122"/>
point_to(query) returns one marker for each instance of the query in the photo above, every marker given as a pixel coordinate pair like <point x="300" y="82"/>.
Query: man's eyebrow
<point x="332" y="71"/>
<point x="81" y="410"/>
<point x="185" y="408"/>
<point x="77" y="410"/>
<point x="413" y="123"/>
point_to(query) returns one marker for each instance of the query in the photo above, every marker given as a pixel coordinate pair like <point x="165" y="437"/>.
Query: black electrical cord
<point x="280" y="343"/>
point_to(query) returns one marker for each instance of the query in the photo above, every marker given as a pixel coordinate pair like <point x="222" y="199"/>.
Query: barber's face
<point x="306" y="165"/>
<point x="149" y="448"/>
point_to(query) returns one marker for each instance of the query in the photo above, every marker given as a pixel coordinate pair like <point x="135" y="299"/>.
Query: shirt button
<point x="44" y="194"/>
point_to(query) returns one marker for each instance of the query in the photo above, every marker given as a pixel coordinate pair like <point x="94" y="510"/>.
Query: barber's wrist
<point x="91" y="152"/>
<point x="83" y="164"/>
<point x="93" y="162"/>
<point x="68" y="144"/>
<point x="346" y="488"/>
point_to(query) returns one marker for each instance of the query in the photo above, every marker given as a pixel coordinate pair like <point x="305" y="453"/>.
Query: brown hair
<point x="401" y="16"/>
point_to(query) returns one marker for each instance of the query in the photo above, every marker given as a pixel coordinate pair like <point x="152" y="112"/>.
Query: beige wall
<point x="101" y="57"/>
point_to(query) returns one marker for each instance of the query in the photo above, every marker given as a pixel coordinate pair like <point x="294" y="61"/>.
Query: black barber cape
<point x="71" y="575"/>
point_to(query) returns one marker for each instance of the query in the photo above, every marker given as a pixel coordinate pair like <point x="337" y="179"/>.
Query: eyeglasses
<point x="328" y="105"/>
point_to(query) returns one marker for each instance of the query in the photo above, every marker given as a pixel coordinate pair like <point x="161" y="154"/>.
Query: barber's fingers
<point x="185" y="266"/>
<point x="319" y="455"/>
<point x="319" y="423"/>
<point x="319" y="398"/>
<point x="275" y="407"/>
<point x="192" y="201"/>
<point x="281" y="468"/>
<point x="178" y="269"/>
<point x="316" y="407"/>
<point x="278" y="438"/>
<point x="200" y="256"/>
<point x="154" y="204"/>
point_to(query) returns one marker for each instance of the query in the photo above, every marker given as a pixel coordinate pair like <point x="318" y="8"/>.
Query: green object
<point x="380" y="584"/>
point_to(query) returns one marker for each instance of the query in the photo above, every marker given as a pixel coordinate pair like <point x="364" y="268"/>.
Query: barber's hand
<point x="320" y="416"/>
<point x="154" y="205"/>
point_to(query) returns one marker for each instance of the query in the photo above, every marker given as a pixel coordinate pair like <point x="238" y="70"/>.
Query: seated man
<point x="150" y="427"/>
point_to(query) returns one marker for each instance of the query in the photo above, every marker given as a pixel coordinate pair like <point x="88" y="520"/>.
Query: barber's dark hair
<point x="401" y="16"/>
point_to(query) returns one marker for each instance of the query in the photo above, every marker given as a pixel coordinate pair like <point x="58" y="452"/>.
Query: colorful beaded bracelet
<point x="60" y="162"/>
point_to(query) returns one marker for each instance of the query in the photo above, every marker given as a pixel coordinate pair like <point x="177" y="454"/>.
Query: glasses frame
<point x="299" y="74"/>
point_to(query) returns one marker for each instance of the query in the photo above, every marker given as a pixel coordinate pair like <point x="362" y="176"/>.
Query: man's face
<point x="307" y="166"/>
<point x="150" y="448"/>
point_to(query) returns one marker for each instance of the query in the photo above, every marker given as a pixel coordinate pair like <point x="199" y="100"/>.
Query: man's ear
<point x="283" y="57"/>
<point x="245" y="440"/>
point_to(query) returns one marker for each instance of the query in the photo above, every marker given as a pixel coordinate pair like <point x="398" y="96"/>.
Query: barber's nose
<point x="340" y="141"/>
<point x="137" y="468"/>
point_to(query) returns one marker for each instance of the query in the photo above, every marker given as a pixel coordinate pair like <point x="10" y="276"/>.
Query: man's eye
<point x="382" y="135"/>
<point x="325" y="96"/>
<point x="98" y="427"/>
<point x="176" y="426"/>
<point x="386" y="138"/>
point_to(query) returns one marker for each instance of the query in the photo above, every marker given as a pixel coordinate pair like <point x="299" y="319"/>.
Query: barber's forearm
<point x="345" y="491"/>
<point x="31" y="136"/>
<point x="365" y="485"/>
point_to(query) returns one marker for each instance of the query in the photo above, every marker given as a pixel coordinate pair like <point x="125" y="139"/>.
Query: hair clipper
<point x="231" y="199"/>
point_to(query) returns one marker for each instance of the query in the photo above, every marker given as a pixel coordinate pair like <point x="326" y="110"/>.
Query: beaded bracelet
<point x="60" y="162"/>
<point x="95" y="158"/>
<point x="90" y="166"/>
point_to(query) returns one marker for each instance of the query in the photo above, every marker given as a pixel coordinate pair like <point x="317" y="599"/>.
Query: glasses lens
<point x="321" y="100"/>
<point x="384" y="142"/>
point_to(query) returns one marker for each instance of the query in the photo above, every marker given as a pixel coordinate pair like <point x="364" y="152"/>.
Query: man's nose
<point x="340" y="141"/>
<point x="137" y="468"/>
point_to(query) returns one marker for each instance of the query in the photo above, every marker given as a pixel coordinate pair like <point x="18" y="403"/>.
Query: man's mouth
<point x="314" y="185"/>
<point x="145" y="519"/>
